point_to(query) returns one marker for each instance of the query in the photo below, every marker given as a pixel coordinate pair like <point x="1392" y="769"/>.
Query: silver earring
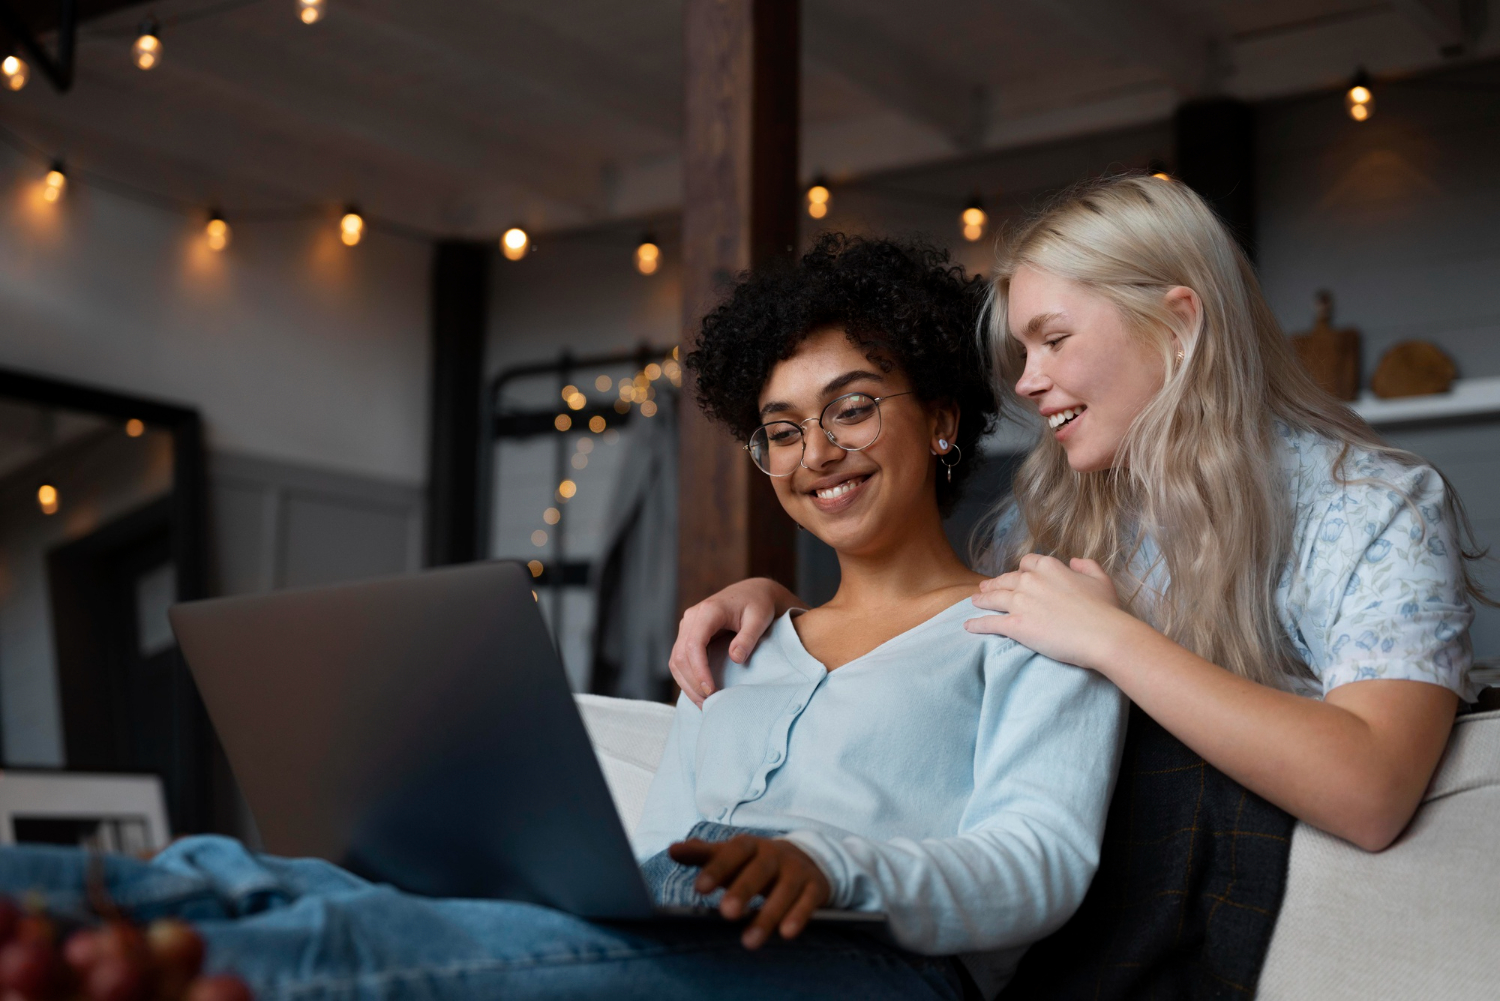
<point x="956" y="458"/>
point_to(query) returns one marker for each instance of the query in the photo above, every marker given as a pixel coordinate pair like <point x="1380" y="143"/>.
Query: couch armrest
<point x="629" y="736"/>
<point x="1416" y="920"/>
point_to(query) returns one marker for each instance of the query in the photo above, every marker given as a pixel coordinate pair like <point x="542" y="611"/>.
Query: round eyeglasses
<point x="852" y="422"/>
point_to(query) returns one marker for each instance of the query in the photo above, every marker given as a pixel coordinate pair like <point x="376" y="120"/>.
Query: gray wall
<point x="279" y="525"/>
<point x="294" y="347"/>
<point x="1400" y="217"/>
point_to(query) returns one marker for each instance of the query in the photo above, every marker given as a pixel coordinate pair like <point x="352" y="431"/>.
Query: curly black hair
<point x="903" y="303"/>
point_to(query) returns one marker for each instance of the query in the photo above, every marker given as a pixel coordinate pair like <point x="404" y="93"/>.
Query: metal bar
<point x="640" y="355"/>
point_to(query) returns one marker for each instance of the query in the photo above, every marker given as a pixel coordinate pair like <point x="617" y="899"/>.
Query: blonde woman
<point x="1200" y="524"/>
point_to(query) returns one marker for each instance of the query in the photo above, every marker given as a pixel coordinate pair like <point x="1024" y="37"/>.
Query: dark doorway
<point x="119" y="671"/>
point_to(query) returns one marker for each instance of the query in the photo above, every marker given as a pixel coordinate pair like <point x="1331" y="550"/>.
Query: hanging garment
<point x="635" y="579"/>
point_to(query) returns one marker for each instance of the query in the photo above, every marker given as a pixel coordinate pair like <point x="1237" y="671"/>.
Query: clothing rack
<point x="517" y="423"/>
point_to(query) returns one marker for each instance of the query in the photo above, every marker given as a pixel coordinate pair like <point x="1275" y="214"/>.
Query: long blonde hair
<point x="1197" y="473"/>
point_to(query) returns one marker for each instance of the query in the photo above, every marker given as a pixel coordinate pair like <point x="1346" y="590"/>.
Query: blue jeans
<point x="306" y="929"/>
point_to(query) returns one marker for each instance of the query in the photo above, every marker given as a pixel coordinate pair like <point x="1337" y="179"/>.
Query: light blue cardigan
<point x="957" y="782"/>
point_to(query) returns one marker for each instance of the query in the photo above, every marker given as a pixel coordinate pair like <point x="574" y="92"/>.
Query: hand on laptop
<point x="792" y="884"/>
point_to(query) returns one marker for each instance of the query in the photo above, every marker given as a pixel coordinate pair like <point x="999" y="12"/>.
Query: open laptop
<point x="419" y="731"/>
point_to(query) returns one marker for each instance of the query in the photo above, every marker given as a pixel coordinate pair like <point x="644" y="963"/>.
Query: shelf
<point x="1467" y="398"/>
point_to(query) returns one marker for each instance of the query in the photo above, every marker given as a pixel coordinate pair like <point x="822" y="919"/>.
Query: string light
<point x="147" y="48"/>
<point x="535" y="566"/>
<point x="217" y="231"/>
<point x="351" y="226"/>
<point x="585" y="445"/>
<point x="135" y="427"/>
<point x="603" y="383"/>
<point x="515" y="243"/>
<point x="310" y="11"/>
<point x="596" y="424"/>
<point x="1359" y="101"/>
<point x="973" y="218"/>
<point x="16" y="72"/>
<point x="56" y="183"/>
<point x="648" y="409"/>
<point x="1158" y="170"/>
<point x="566" y="490"/>
<point x="539" y="538"/>
<point x="562" y="422"/>
<point x="647" y="255"/>
<point x="552" y="516"/>
<point x="580" y="461"/>
<point x="46" y="498"/>
<point x="818" y="198"/>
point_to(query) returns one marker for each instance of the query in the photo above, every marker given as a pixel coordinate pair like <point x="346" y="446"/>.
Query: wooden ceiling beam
<point x="1138" y="33"/>
<point x="893" y="73"/>
<point x="1453" y="24"/>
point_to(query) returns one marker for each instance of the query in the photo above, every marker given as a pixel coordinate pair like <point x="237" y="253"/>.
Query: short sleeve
<point x="1383" y="594"/>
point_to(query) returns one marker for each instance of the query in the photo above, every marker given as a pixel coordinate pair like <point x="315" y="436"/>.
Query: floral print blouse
<point x="1375" y="585"/>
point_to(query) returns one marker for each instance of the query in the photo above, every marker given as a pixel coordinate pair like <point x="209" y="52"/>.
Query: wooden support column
<point x="1215" y="141"/>
<point x="460" y="294"/>
<point x="740" y="202"/>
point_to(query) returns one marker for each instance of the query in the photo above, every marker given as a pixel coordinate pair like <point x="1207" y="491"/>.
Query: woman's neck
<point x="918" y="563"/>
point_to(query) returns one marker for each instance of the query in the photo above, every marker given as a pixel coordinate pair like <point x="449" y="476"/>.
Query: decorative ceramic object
<point x="1413" y="368"/>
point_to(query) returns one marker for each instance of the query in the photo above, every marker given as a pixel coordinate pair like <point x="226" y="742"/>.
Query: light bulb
<point x="16" y="72"/>
<point x="310" y="11"/>
<point x="217" y="231"/>
<point x="147" y="48"/>
<point x="135" y="427"/>
<point x="351" y="226"/>
<point x="818" y="197"/>
<point x="515" y="243"/>
<point x="46" y="498"/>
<point x="56" y="183"/>
<point x="1359" y="101"/>
<point x="974" y="218"/>
<point x="647" y="255"/>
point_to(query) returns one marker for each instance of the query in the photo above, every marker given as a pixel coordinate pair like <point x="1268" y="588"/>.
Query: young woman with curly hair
<point x="1202" y="525"/>
<point x="872" y="756"/>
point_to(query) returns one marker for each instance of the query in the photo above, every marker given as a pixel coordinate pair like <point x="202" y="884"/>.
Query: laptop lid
<point x="417" y="730"/>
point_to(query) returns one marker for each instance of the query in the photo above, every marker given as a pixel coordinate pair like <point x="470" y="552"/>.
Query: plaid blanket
<point x="1190" y="882"/>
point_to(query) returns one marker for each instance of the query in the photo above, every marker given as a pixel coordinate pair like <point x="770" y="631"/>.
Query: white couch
<point x="1418" y="920"/>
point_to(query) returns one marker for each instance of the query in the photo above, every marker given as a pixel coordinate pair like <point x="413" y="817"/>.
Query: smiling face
<point x="857" y="502"/>
<point x="1086" y="372"/>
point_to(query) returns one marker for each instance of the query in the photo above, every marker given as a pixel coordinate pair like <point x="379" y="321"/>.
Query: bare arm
<point x="745" y="609"/>
<point x="1354" y="764"/>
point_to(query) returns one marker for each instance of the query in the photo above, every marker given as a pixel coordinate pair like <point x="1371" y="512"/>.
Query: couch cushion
<point x="1419" y="919"/>
<point x="629" y="737"/>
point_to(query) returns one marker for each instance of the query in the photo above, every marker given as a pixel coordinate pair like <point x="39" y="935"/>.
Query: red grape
<point x="178" y="952"/>
<point x="83" y="949"/>
<point x="36" y="928"/>
<point x="9" y="915"/>
<point x="123" y="939"/>
<point x="118" y="978"/>
<point x="223" y="987"/>
<point x="28" y="968"/>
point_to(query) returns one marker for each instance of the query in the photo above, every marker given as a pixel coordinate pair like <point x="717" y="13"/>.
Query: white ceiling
<point x="465" y="116"/>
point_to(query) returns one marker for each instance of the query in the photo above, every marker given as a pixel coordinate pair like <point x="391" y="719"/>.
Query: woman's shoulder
<point x="1330" y="476"/>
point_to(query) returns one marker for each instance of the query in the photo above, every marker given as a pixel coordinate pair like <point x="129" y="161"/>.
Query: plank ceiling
<point x="465" y="116"/>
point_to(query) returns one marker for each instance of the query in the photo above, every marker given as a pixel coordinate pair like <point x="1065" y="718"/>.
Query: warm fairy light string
<point x="638" y="391"/>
